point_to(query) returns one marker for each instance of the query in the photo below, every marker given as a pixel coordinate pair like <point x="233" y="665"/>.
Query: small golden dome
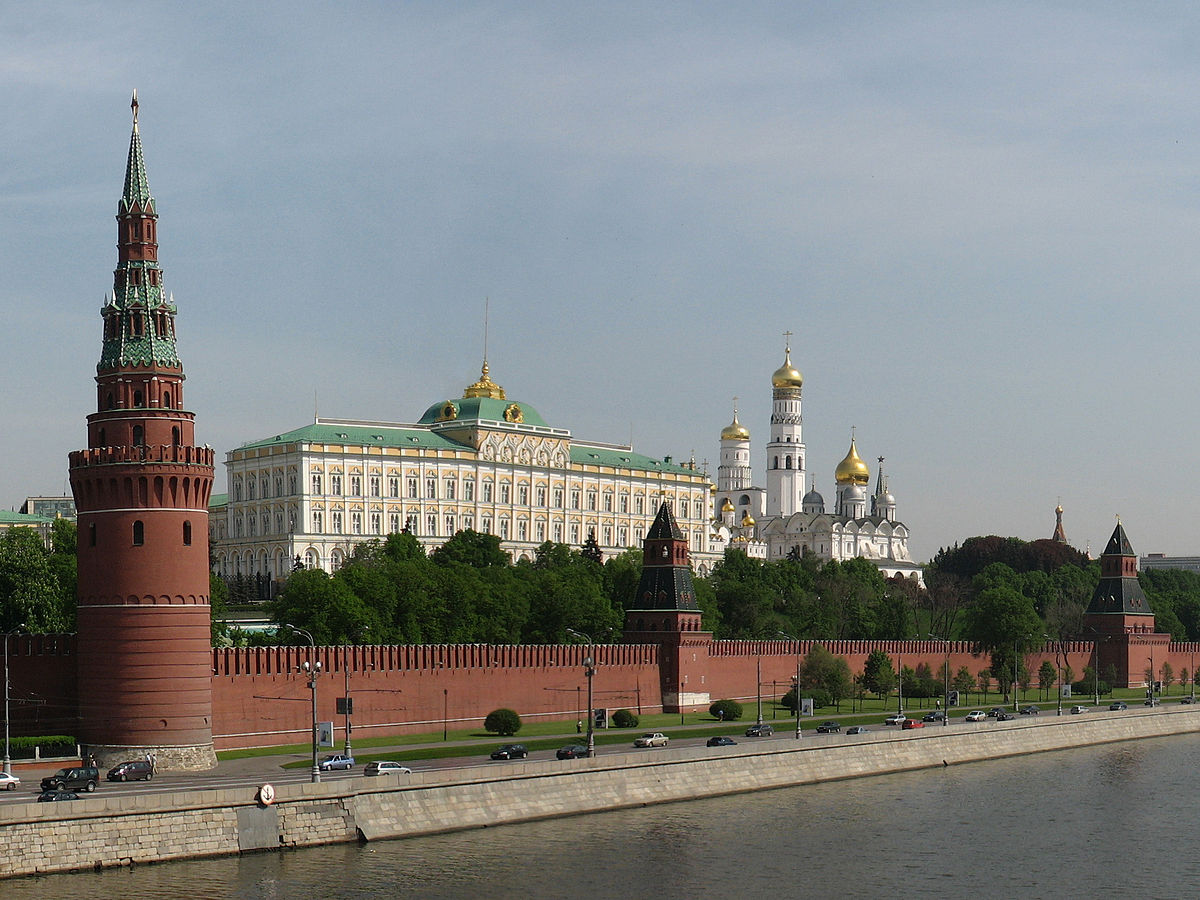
<point x="787" y="376"/>
<point x="485" y="387"/>
<point x="852" y="470"/>
<point x="735" y="430"/>
<point x="726" y="507"/>
<point x="747" y="520"/>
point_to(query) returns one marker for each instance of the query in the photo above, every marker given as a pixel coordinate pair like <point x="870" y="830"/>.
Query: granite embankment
<point x="114" y="831"/>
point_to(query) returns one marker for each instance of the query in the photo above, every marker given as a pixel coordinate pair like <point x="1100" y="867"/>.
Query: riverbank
<point x="121" y="830"/>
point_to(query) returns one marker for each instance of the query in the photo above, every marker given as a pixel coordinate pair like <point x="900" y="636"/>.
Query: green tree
<point x="985" y="682"/>
<point x="820" y="669"/>
<point x="878" y="674"/>
<point x="726" y="710"/>
<point x="1168" y="677"/>
<point x="1047" y="675"/>
<point x="218" y="598"/>
<point x="31" y="595"/>
<point x="504" y="722"/>
<point x="964" y="682"/>
<point x="325" y="607"/>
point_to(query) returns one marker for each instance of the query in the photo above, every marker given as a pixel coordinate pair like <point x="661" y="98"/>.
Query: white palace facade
<point x="481" y="462"/>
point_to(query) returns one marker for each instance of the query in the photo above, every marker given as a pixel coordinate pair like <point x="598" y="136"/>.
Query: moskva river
<point x="1114" y="821"/>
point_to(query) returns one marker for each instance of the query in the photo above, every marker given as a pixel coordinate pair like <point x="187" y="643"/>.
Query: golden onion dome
<point x="787" y="376"/>
<point x="726" y="507"/>
<point x="735" y="430"/>
<point x="485" y="387"/>
<point x="747" y="520"/>
<point x="852" y="470"/>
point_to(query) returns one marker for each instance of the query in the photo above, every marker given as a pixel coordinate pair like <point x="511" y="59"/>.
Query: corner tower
<point x="141" y="490"/>
<point x="665" y="612"/>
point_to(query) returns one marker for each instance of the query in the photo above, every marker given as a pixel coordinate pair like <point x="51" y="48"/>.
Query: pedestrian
<point x="579" y="726"/>
<point x="153" y="764"/>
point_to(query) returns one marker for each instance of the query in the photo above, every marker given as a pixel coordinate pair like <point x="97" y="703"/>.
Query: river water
<point x="1111" y="821"/>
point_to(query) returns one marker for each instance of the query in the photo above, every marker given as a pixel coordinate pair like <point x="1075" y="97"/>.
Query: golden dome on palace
<point x="735" y="431"/>
<point x="726" y="507"/>
<point x="747" y="520"/>
<point x="852" y="470"/>
<point x="787" y="376"/>
<point x="485" y="387"/>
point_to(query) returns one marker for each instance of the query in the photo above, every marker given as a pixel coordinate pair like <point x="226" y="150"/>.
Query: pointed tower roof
<point x="1118" y="544"/>
<point x="137" y="185"/>
<point x="1118" y="592"/>
<point x="1059" y="534"/>
<point x="666" y="582"/>
<point x="665" y="528"/>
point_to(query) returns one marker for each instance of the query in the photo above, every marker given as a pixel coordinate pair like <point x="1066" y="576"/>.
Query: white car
<point x="895" y="719"/>
<point x="1076" y="710"/>
<point x="652" y="739"/>
<point x="976" y="715"/>
<point x="9" y="781"/>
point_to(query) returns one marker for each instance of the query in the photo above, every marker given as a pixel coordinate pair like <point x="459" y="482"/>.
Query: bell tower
<point x="141" y="490"/>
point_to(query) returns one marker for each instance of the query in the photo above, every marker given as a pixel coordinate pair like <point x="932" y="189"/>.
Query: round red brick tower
<point x="141" y="490"/>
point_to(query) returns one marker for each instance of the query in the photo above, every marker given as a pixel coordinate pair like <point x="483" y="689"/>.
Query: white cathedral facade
<point x="787" y="515"/>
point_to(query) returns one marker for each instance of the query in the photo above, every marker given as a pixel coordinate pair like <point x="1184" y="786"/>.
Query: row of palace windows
<point x="261" y="486"/>
<point x="139" y="533"/>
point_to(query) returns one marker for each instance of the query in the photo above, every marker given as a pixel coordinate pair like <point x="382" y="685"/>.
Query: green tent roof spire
<point x="137" y="186"/>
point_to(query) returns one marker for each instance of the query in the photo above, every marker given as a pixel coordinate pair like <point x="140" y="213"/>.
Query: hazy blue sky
<point x="980" y="221"/>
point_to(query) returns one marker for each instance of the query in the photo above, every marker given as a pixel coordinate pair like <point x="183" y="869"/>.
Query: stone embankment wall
<point x="114" y="831"/>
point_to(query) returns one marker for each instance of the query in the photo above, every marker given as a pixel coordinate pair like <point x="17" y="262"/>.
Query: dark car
<point x="1118" y="704"/>
<point x="995" y="711"/>
<point x="857" y="729"/>
<point x="721" y="741"/>
<point x="763" y="730"/>
<point x="829" y="728"/>
<point x="933" y="717"/>
<point x="1186" y="700"/>
<point x="1030" y="711"/>
<point x="53" y="795"/>
<point x="74" y="778"/>
<point x="133" y="770"/>
<point x="510" y="751"/>
<point x="1004" y="716"/>
<point x="572" y="751"/>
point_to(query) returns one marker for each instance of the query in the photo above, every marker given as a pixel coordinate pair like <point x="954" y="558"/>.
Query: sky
<point x="978" y="221"/>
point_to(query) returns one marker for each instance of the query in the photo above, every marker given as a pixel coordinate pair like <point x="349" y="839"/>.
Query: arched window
<point x="139" y="435"/>
<point x="139" y="533"/>
<point x="166" y="400"/>
<point x="137" y="399"/>
<point x="775" y="463"/>
<point x="788" y="462"/>
<point x="175" y="435"/>
<point x="109" y="403"/>
<point x="187" y="534"/>
<point x="103" y="441"/>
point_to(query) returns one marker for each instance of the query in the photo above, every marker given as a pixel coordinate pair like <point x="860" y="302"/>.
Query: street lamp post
<point x="445" y="714"/>
<point x="1193" y="672"/>
<point x="758" y="688"/>
<point x="1058" y="666"/>
<point x="799" y="733"/>
<point x="589" y="670"/>
<point x="1150" y="681"/>
<point x="312" y="668"/>
<point x="946" y="673"/>
<point x="7" y="758"/>
<point x="346" y="697"/>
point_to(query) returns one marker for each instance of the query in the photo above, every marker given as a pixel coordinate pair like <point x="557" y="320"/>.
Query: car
<point x="510" y="751"/>
<point x="133" y="770"/>
<point x="52" y="795"/>
<point x="1118" y="704"/>
<point x="572" y="751"/>
<point x="933" y="717"/>
<point x="763" y="730"/>
<point x="995" y="711"/>
<point x="912" y="723"/>
<point x="1030" y="711"/>
<point x="72" y="778"/>
<point x="1151" y="701"/>
<point x="1004" y="715"/>
<point x="1186" y="700"/>
<point x="1076" y="710"/>
<point x="336" y="761"/>
<point x="895" y="719"/>
<point x="976" y="715"/>
<point x="721" y="741"/>
<point x="9" y="781"/>
<point x="857" y="729"/>
<point x="829" y="728"/>
<point x="652" y="739"/>
<point x="386" y="767"/>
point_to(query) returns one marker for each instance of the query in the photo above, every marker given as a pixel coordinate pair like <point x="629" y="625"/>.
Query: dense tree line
<point x="37" y="580"/>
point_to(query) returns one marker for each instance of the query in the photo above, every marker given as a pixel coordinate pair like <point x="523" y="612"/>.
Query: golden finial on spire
<point x="133" y="105"/>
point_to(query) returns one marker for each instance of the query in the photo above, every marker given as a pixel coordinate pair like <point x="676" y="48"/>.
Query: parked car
<point x="510" y="751"/>
<point x="1030" y="711"/>
<point x="1118" y="704"/>
<point x="9" y="781"/>
<point x="1186" y="700"/>
<point x="976" y="715"/>
<point x="830" y="727"/>
<point x="895" y="719"/>
<point x="386" y="767"/>
<point x="1076" y="710"/>
<point x="857" y="729"/>
<point x="721" y="741"/>
<point x="912" y="723"/>
<point x="73" y="778"/>
<point x="133" y="770"/>
<point x="995" y="711"/>
<point x="572" y="751"/>
<point x="763" y="730"/>
<point x="336" y="761"/>
<point x="652" y="739"/>
<point x="52" y="795"/>
<point x="1004" y="715"/>
<point x="936" y="716"/>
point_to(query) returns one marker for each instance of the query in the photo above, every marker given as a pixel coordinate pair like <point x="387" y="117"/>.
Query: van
<point x="133" y="770"/>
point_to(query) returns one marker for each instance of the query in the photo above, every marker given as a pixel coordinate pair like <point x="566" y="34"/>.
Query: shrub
<point x="726" y="710"/>
<point x="623" y="718"/>
<point x="51" y="746"/>
<point x="502" y="722"/>
<point x="1087" y="687"/>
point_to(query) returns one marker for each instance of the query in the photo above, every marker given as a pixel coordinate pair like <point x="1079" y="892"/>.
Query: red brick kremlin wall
<point x="261" y="699"/>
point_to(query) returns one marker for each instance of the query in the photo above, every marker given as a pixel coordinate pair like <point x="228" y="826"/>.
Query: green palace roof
<point x="8" y="517"/>
<point x="483" y="409"/>
<point x="372" y="435"/>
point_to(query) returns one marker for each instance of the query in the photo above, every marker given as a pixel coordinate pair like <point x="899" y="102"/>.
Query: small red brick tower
<point x="1120" y="620"/>
<point x="141" y="490"/>
<point x="665" y="612"/>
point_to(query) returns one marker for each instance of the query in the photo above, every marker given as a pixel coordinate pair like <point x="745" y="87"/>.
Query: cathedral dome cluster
<point x="788" y="516"/>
